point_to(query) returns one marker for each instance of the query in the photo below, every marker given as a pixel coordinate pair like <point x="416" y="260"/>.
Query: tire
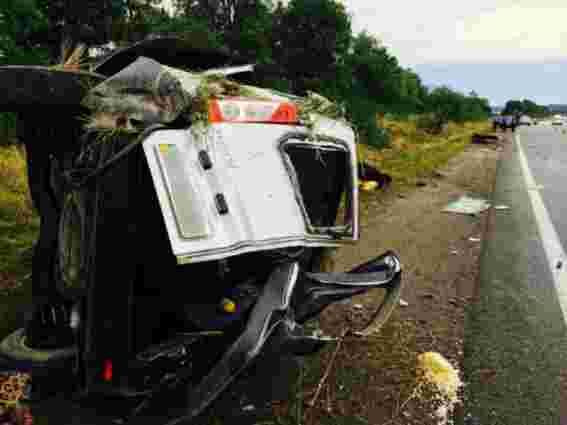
<point x="72" y="246"/>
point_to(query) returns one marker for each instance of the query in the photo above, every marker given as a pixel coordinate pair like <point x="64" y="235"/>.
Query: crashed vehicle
<point x="194" y="220"/>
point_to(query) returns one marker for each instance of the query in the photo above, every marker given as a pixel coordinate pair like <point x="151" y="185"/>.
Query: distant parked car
<point x="525" y="120"/>
<point x="497" y="122"/>
<point x="508" y="121"/>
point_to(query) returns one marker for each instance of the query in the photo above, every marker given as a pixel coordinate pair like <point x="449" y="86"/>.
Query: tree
<point x="376" y="69"/>
<point x="449" y="105"/>
<point x="513" y="107"/>
<point x="244" y="26"/>
<point x="312" y="40"/>
<point x="250" y="34"/>
<point x="73" y="22"/>
<point x="412" y="93"/>
<point x="23" y="31"/>
<point x="533" y="109"/>
<point x="524" y="106"/>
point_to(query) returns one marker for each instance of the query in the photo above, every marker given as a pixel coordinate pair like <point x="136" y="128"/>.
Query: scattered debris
<point x="435" y="372"/>
<point x="329" y="367"/>
<point x="472" y="239"/>
<point x="14" y="388"/>
<point x="403" y="303"/>
<point x="420" y="183"/>
<point x="434" y="369"/>
<point x="439" y="175"/>
<point x="501" y="207"/>
<point x="368" y="186"/>
<point x="358" y="306"/>
<point x="454" y="252"/>
<point x="467" y="205"/>
<point x="484" y="138"/>
<point x="368" y="174"/>
<point x="559" y="265"/>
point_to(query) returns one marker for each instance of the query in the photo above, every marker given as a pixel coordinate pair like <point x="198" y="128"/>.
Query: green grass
<point x="414" y="155"/>
<point x="18" y="231"/>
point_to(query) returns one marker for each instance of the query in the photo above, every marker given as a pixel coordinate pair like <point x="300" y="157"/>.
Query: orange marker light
<point x="239" y="110"/>
<point x="286" y="113"/>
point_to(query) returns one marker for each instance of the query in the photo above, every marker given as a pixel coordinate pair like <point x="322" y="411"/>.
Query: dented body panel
<point x="249" y="167"/>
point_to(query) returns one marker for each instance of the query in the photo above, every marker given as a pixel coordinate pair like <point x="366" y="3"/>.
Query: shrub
<point x="7" y="129"/>
<point x="15" y="199"/>
<point x="430" y="123"/>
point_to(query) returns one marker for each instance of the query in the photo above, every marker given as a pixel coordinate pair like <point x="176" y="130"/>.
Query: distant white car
<point x="525" y="120"/>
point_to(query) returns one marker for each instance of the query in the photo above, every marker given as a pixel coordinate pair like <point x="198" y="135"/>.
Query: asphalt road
<point x="516" y="334"/>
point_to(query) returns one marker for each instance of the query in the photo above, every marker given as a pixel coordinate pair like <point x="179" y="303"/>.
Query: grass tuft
<point x="414" y="155"/>
<point x="18" y="230"/>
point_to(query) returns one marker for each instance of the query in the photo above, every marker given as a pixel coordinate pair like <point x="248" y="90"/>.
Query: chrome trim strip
<point x="320" y="241"/>
<point x="294" y="273"/>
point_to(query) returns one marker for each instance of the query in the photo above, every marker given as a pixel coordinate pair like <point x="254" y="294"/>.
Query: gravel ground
<point x="371" y="379"/>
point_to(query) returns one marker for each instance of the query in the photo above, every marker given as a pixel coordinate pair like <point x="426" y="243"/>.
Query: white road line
<point x="554" y="251"/>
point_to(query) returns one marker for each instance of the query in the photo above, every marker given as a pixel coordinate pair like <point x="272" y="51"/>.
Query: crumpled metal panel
<point x="185" y="197"/>
<point x="249" y="171"/>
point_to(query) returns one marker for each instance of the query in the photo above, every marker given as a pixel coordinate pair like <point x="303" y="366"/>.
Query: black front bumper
<point x="274" y="331"/>
<point x="289" y="299"/>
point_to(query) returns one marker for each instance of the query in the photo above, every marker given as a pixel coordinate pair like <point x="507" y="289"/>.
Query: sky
<point x="502" y="49"/>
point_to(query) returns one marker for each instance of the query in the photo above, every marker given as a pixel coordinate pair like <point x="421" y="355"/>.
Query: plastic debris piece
<point x="228" y="305"/>
<point x="501" y="207"/>
<point x="403" y="303"/>
<point x="471" y="239"/>
<point x="358" y="306"/>
<point x="467" y="205"/>
<point x="368" y="186"/>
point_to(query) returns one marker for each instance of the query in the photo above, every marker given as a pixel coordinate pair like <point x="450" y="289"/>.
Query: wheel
<point x="72" y="246"/>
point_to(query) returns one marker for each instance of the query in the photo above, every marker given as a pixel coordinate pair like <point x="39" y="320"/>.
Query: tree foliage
<point x="23" y="27"/>
<point x="312" y="41"/>
<point x="524" y="107"/>
<point x="309" y="45"/>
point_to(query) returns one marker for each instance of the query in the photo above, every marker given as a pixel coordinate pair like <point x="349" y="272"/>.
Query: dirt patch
<point x="371" y="379"/>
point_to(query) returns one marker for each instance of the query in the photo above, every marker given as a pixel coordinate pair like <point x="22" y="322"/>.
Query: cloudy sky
<point x="501" y="48"/>
<point x="464" y="31"/>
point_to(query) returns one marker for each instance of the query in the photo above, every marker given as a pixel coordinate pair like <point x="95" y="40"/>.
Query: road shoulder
<point x="515" y="342"/>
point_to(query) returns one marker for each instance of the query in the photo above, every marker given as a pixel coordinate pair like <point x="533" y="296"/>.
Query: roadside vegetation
<point x="18" y="231"/>
<point x="525" y="107"/>
<point x="414" y="155"/>
<point x="300" y="47"/>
